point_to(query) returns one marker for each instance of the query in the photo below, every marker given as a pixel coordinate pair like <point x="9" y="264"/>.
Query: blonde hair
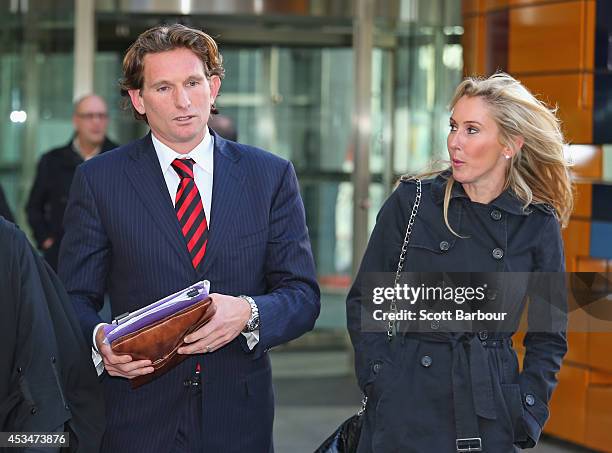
<point x="538" y="172"/>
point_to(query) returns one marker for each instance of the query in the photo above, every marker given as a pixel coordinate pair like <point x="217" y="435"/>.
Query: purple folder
<point x="131" y="322"/>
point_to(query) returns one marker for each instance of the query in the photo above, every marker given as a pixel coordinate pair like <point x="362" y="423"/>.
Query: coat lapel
<point x="144" y="173"/>
<point x="228" y="179"/>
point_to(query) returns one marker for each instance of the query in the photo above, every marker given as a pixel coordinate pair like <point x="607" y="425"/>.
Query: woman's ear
<point x="516" y="143"/>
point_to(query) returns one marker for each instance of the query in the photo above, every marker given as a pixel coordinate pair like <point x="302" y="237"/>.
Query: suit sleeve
<point x="84" y="254"/>
<point x="371" y="344"/>
<point x="35" y="206"/>
<point x="546" y="339"/>
<point x="292" y="302"/>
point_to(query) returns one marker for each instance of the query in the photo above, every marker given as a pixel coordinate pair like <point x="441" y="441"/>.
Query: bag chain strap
<point x="391" y="330"/>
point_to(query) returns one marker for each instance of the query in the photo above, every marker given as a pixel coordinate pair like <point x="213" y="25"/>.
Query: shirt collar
<point x="76" y="147"/>
<point x="202" y="154"/>
<point x="506" y="201"/>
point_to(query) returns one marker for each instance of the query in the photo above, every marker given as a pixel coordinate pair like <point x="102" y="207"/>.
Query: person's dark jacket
<point x="47" y="377"/>
<point x="49" y="195"/>
<point x="411" y="381"/>
<point x="5" y="210"/>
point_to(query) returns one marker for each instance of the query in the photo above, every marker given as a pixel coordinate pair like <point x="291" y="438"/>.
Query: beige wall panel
<point x="599" y="418"/>
<point x="600" y="351"/>
<point x="473" y="45"/>
<point x="573" y="93"/>
<point x="552" y="37"/>
<point x="569" y="398"/>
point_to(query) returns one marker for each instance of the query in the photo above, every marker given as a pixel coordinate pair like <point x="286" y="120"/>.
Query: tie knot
<point x="183" y="167"/>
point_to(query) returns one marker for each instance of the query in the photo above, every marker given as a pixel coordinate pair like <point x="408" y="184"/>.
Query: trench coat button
<point x="19" y="369"/>
<point x="435" y="324"/>
<point x="444" y="246"/>
<point x="491" y="294"/>
<point x="376" y="367"/>
<point x="498" y="253"/>
<point x="483" y="335"/>
<point x="426" y="361"/>
<point x="496" y="215"/>
<point x="529" y="399"/>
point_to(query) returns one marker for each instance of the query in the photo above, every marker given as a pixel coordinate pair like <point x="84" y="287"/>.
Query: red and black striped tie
<point x="190" y="211"/>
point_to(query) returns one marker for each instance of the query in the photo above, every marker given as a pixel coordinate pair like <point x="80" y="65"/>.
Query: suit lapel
<point x="228" y="179"/>
<point x="144" y="173"/>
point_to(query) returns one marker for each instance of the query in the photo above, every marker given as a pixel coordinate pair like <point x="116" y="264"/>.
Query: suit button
<point x="19" y="369"/>
<point x="187" y="383"/>
<point x="529" y="399"/>
<point x="498" y="253"/>
<point x="435" y="324"/>
<point x="491" y="294"/>
<point x="53" y="360"/>
<point x="376" y="368"/>
<point x="496" y="215"/>
<point x="444" y="246"/>
<point x="426" y="361"/>
<point x="33" y="410"/>
<point x="483" y="335"/>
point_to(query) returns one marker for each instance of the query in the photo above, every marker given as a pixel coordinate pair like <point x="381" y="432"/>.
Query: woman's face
<point x="474" y="149"/>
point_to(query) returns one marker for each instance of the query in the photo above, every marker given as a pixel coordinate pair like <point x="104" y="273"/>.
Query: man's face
<point x="176" y="97"/>
<point x="90" y="121"/>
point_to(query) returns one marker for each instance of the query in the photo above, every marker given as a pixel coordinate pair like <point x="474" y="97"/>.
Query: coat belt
<point x="472" y="385"/>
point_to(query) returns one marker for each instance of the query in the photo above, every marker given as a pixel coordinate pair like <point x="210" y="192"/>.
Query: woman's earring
<point x="507" y="156"/>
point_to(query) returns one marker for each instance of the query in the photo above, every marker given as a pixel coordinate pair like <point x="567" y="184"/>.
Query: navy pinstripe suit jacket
<point x="123" y="237"/>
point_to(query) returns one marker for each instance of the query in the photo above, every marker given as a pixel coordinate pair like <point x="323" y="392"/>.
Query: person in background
<point x="47" y="379"/>
<point x="5" y="210"/>
<point x="224" y="126"/>
<point x="49" y="194"/>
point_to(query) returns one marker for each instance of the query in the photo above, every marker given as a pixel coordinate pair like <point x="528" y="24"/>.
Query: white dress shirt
<point x="203" y="156"/>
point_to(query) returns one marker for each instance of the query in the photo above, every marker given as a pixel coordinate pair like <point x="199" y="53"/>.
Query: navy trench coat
<point x="426" y="390"/>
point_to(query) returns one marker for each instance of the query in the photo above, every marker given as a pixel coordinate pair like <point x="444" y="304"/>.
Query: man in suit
<point x="49" y="193"/>
<point x="180" y="205"/>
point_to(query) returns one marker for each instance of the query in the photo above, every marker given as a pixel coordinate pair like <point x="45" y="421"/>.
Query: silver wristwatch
<point x="253" y="322"/>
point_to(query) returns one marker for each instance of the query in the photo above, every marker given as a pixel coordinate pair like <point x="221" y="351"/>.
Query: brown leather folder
<point x="160" y="341"/>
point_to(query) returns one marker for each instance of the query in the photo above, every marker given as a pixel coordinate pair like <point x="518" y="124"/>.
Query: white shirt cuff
<point x="252" y="338"/>
<point x="95" y="354"/>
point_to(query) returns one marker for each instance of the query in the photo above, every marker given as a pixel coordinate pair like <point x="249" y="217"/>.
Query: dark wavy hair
<point x="164" y="38"/>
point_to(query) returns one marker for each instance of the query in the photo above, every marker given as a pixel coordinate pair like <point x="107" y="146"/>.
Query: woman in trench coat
<point x="498" y="208"/>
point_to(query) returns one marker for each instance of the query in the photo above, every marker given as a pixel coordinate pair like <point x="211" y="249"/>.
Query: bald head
<point x="90" y="119"/>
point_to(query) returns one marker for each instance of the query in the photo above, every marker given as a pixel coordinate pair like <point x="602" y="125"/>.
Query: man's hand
<point x="47" y="243"/>
<point x="121" y="365"/>
<point x="229" y="320"/>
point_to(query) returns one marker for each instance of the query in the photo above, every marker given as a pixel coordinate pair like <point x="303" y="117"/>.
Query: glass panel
<point x="429" y="67"/>
<point x="332" y="242"/>
<point x="296" y="103"/>
<point x="122" y="126"/>
<point x="36" y="75"/>
<point x="607" y="163"/>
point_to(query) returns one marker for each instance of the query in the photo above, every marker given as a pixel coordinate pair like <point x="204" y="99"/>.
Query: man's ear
<point x="215" y="85"/>
<point x="137" y="101"/>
